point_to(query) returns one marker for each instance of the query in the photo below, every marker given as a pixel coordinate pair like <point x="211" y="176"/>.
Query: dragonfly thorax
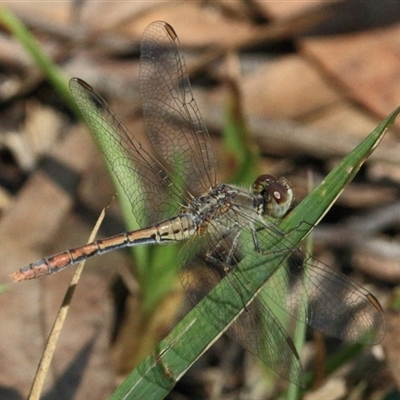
<point x="225" y="207"/>
<point x="215" y="203"/>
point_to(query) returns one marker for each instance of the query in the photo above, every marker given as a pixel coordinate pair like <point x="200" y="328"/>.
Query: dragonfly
<point x="175" y="197"/>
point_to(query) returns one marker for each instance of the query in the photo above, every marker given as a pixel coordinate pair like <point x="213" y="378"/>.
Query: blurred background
<point x="307" y="81"/>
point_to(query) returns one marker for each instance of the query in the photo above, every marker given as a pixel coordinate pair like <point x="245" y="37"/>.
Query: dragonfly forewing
<point x="172" y="118"/>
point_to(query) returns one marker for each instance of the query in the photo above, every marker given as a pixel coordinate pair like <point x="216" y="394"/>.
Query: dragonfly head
<point x="277" y="194"/>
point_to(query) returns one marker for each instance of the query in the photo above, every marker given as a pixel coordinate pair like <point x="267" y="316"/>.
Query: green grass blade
<point x="157" y="375"/>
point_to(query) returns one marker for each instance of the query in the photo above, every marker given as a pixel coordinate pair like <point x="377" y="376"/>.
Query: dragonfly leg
<point x="225" y="258"/>
<point x="223" y="255"/>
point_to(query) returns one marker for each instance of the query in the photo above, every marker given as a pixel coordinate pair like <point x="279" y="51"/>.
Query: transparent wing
<point x="316" y="294"/>
<point x="185" y="163"/>
<point x="326" y="299"/>
<point x="144" y="180"/>
<point x="173" y="121"/>
<point x="307" y="289"/>
<point x="256" y="329"/>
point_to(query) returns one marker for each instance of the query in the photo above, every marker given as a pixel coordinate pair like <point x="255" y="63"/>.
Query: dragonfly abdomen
<point x="174" y="229"/>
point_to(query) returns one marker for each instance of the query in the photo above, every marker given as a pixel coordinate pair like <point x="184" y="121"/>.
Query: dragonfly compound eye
<point x="262" y="183"/>
<point x="280" y="197"/>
